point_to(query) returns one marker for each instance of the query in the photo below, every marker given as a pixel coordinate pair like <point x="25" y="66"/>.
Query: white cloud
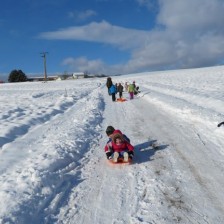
<point x="102" y="32"/>
<point x="82" y="64"/>
<point x="192" y="15"/>
<point x="192" y="36"/>
<point x="82" y="16"/>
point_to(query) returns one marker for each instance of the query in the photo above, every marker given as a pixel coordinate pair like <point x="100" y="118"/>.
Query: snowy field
<point x="52" y="162"/>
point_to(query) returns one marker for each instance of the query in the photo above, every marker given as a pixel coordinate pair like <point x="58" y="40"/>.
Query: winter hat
<point x="110" y="130"/>
<point x="117" y="134"/>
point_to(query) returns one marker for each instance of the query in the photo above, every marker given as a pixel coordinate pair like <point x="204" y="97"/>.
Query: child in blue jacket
<point x="113" y="91"/>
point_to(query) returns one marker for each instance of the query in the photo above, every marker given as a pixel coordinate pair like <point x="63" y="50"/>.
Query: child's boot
<point x="125" y="155"/>
<point x="115" y="157"/>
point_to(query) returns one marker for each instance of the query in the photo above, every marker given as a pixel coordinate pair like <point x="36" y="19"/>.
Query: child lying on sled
<point x="119" y="148"/>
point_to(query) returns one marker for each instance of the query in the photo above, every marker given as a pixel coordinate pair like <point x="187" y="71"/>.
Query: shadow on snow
<point x="144" y="151"/>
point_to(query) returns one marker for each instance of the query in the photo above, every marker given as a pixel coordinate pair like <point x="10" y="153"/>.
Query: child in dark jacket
<point x="109" y="84"/>
<point x="120" y="90"/>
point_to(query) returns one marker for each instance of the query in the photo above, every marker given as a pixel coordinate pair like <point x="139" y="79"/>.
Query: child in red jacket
<point x="109" y="149"/>
<point x="121" y="148"/>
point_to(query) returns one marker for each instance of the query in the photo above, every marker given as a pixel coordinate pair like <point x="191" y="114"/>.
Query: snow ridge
<point x="45" y="186"/>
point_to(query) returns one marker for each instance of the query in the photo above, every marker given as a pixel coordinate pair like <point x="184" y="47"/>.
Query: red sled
<point x="120" y="161"/>
<point x="121" y="100"/>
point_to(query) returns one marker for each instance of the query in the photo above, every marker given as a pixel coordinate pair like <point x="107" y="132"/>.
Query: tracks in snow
<point x="53" y="182"/>
<point x="161" y="186"/>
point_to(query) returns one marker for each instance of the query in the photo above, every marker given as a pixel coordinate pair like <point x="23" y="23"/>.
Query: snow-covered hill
<point x="52" y="162"/>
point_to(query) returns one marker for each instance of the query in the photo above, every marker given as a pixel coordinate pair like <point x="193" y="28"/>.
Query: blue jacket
<point x="112" y="89"/>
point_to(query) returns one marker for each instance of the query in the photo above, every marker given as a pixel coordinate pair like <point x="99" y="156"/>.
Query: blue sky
<point x="110" y="36"/>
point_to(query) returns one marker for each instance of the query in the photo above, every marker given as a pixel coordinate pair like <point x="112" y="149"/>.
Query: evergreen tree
<point x="17" y="76"/>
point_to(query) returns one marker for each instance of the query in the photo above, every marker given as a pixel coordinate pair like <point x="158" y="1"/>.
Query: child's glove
<point x="131" y="154"/>
<point x="109" y="155"/>
<point x="110" y="149"/>
<point x="220" y="124"/>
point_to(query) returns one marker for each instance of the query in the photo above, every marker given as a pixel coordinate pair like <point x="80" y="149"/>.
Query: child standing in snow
<point x="131" y="90"/>
<point x="126" y="86"/>
<point x="120" y="90"/>
<point x="109" y="84"/>
<point x="113" y="91"/>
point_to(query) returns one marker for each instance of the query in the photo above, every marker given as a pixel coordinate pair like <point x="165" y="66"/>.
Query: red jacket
<point x="125" y="146"/>
<point x="112" y="147"/>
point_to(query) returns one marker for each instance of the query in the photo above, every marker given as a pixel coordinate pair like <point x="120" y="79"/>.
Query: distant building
<point x="78" y="75"/>
<point x="36" y="79"/>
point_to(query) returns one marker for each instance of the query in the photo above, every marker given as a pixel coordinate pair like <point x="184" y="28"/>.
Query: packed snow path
<point x="62" y="175"/>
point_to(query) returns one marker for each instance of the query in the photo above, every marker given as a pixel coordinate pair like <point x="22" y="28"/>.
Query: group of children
<point x="118" y="146"/>
<point x="113" y="89"/>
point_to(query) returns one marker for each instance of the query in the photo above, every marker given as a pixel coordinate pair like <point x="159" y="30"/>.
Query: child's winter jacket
<point x="131" y="88"/>
<point x="108" y="147"/>
<point x="125" y="146"/>
<point x="112" y="89"/>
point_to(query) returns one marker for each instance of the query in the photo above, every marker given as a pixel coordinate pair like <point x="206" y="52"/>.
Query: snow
<point x="52" y="162"/>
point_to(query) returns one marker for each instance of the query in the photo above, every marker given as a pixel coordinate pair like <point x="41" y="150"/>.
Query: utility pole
<point x="45" y="65"/>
